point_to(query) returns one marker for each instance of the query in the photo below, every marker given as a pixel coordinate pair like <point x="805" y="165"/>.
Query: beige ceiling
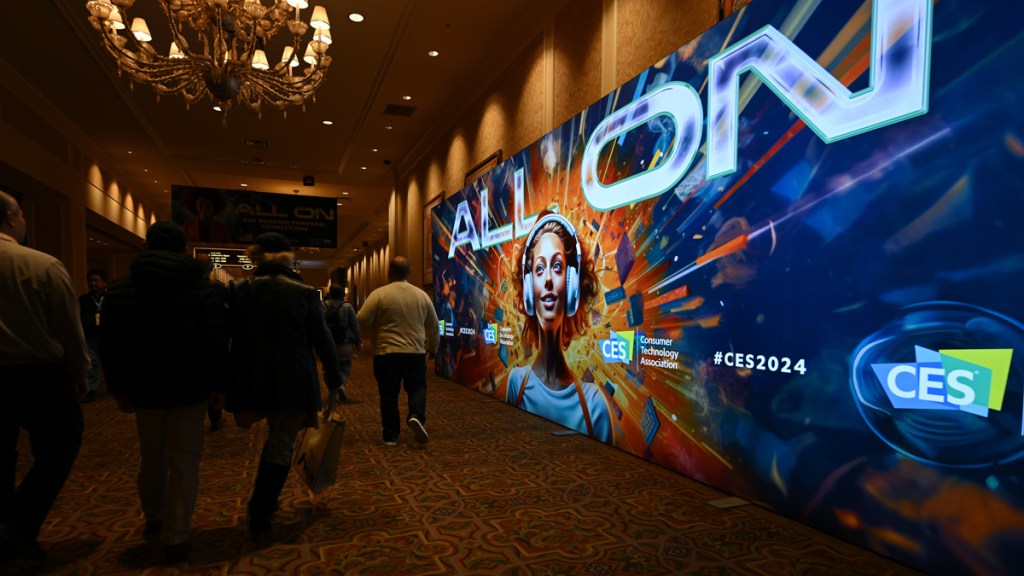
<point x="150" y="144"/>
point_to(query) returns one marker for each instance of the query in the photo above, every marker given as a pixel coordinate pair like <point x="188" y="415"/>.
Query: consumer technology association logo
<point x="619" y="347"/>
<point x="491" y="334"/>
<point x="972" y="381"/>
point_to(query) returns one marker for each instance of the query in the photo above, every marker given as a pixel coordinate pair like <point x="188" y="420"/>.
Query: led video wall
<point x="785" y="261"/>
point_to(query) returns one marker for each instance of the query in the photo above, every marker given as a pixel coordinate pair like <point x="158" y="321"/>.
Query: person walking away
<point x="341" y="319"/>
<point x="43" y="360"/>
<point x="276" y="325"/>
<point x="402" y="322"/>
<point x="90" y="305"/>
<point x="164" y="351"/>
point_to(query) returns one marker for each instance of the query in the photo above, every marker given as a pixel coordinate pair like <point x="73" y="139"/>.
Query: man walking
<point x="277" y="325"/>
<point x="341" y="319"/>
<point x="402" y="322"/>
<point x="43" y="360"/>
<point x="91" y="304"/>
<point x="164" y="352"/>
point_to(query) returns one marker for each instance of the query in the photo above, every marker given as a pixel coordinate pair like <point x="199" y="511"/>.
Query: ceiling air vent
<point x="260" y="144"/>
<point x="399" y="110"/>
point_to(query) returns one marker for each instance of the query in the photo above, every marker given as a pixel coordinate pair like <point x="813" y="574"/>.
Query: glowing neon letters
<point x="897" y="90"/>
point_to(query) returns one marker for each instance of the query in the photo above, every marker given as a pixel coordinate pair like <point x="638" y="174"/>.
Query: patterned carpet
<point x="494" y="492"/>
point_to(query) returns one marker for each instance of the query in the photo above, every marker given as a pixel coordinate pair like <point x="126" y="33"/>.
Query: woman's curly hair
<point x="588" y="288"/>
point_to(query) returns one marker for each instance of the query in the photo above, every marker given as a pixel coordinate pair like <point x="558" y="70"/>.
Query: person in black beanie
<point x="276" y="325"/>
<point x="164" y="351"/>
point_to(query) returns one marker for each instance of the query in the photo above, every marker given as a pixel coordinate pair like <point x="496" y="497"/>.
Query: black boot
<point x="270" y="479"/>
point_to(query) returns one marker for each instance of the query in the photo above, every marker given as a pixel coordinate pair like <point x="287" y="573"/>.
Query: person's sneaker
<point x="151" y="533"/>
<point x="391" y="443"/>
<point x="174" y="553"/>
<point x="418" y="430"/>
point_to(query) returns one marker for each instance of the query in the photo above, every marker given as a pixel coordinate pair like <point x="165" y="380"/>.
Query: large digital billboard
<point x="222" y="216"/>
<point x="786" y="261"/>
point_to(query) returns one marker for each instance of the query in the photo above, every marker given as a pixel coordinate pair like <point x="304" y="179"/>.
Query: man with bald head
<point x="401" y="320"/>
<point x="43" y="362"/>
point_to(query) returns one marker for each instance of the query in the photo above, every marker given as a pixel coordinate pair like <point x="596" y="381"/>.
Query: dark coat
<point x="164" y="340"/>
<point x="277" y="322"/>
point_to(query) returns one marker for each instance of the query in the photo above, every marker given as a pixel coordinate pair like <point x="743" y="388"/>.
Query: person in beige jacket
<point x="401" y="320"/>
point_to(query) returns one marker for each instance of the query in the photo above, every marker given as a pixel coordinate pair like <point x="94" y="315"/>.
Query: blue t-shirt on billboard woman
<point x="562" y="406"/>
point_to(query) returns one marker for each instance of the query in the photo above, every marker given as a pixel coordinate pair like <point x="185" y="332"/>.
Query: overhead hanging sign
<point x="215" y="215"/>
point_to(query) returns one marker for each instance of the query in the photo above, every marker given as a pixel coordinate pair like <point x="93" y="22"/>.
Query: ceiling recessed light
<point x="218" y="108"/>
<point x="244" y="185"/>
<point x="328" y="123"/>
<point x="407" y="97"/>
<point x="355" y="17"/>
<point x="130" y="152"/>
<point x="387" y="127"/>
<point x="145" y="169"/>
<point x="344" y="193"/>
<point x="362" y="167"/>
<point x="433" y="53"/>
<point x="373" y="150"/>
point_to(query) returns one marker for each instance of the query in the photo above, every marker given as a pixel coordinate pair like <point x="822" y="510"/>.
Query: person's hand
<point x="81" y="387"/>
<point x="125" y="406"/>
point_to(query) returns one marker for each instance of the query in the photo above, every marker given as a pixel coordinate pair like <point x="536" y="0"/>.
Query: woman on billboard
<point x="558" y="280"/>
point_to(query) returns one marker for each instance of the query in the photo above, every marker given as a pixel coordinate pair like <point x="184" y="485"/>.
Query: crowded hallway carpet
<point x="493" y="492"/>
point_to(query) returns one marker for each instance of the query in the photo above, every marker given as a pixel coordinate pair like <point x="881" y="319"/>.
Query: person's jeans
<point x="283" y="429"/>
<point x="171" y="442"/>
<point x="394" y="371"/>
<point x="95" y="368"/>
<point x="345" y="361"/>
<point x="41" y="399"/>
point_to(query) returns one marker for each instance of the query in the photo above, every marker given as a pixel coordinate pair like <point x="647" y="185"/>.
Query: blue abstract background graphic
<point x="770" y="293"/>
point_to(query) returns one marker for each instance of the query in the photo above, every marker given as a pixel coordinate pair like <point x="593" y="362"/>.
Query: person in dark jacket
<point x="89" y="305"/>
<point x="164" y="350"/>
<point x="277" y="323"/>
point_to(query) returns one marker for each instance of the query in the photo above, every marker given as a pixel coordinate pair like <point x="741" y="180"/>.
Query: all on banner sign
<point x="785" y="261"/>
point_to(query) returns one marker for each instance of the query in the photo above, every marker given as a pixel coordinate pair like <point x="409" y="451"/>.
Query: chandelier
<point x="218" y="50"/>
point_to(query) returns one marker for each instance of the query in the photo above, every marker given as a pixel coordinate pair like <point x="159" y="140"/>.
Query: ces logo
<point x="972" y="381"/>
<point x="491" y="334"/>
<point x="618" y="347"/>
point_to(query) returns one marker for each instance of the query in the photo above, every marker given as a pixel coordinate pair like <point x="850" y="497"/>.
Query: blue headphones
<point x="572" y="281"/>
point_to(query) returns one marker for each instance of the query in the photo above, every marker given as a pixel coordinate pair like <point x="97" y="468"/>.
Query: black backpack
<point x="337" y="322"/>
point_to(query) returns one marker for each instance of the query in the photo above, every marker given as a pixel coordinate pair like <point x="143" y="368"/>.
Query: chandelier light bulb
<point x="319" y="19"/>
<point x="300" y="4"/>
<point x="287" y="57"/>
<point x="115" y="20"/>
<point x="140" y="30"/>
<point x="323" y="35"/>
<point x="259" y="60"/>
<point x="175" y="52"/>
<point x="309" y="57"/>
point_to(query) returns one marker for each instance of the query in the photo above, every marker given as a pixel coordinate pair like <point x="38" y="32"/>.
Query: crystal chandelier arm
<point x="287" y="90"/>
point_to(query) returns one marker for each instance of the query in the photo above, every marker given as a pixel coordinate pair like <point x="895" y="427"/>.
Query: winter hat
<point x="166" y="235"/>
<point x="273" y="242"/>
